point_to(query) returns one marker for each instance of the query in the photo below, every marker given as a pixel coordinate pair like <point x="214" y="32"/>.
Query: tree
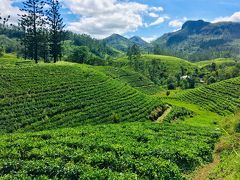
<point x="213" y="66"/>
<point x="136" y="51"/>
<point x="168" y="93"/>
<point x="30" y="21"/>
<point x="80" y="54"/>
<point x="133" y="52"/>
<point x="129" y="53"/>
<point x="56" y="28"/>
<point x="1" y="52"/>
<point x="211" y="80"/>
<point x="4" y="23"/>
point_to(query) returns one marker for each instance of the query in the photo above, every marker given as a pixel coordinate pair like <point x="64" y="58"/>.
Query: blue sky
<point x="146" y="18"/>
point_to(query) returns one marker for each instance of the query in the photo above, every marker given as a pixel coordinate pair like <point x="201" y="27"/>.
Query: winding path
<point x="164" y="115"/>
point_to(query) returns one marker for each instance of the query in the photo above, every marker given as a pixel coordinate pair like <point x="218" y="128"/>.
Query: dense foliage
<point x="222" y="97"/>
<point x="37" y="97"/>
<point x="131" y="77"/>
<point x="124" y="151"/>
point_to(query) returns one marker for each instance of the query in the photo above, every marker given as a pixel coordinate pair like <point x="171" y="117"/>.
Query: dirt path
<point x="161" y="118"/>
<point x="204" y="172"/>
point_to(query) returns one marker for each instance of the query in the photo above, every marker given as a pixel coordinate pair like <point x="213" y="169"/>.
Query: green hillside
<point x="92" y="123"/>
<point x="131" y="77"/>
<point x="122" y="151"/>
<point x="222" y="98"/>
<point x="159" y="69"/>
<point x="172" y="63"/>
<point x="218" y="62"/>
<point x="46" y="96"/>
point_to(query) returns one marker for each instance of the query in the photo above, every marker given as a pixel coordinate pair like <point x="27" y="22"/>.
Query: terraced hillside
<point x="131" y="77"/>
<point x="222" y="98"/>
<point x="87" y="123"/>
<point x="46" y="96"/>
<point x="117" y="151"/>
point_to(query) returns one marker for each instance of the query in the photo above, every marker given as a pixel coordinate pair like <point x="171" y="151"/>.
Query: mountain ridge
<point x="122" y="43"/>
<point x="200" y="40"/>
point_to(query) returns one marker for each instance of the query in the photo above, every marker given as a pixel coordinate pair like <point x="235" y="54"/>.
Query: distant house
<point x="185" y="77"/>
<point x="202" y="81"/>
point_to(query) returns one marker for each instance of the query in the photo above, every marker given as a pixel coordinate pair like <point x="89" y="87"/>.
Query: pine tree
<point x="31" y="20"/>
<point x="56" y="26"/>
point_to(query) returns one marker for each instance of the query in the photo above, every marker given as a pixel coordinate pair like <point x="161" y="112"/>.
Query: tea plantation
<point x="222" y="98"/>
<point x="39" y="97"/>
<point x="121" y="151"/>
<point x="72" y="121"/>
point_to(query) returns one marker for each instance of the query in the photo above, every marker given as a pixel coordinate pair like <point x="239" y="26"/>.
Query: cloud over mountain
<point x="105" y="17"/>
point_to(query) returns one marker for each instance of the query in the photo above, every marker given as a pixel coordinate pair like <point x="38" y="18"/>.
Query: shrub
<point x="115" y="118"/>
<point x="168" y="93"/>
<point x="1" y="52"/>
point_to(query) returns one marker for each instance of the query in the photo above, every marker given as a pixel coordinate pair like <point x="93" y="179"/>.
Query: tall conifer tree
<point x="31" y="19"/>
<point x="56" y="26"/>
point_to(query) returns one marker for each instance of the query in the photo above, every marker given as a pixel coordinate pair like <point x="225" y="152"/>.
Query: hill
<point x="131" y="77"/>
<point x="222" y="97"/>
<point x="46" y="96"/>
<point x="87" y="122"/>
<point x="219" y="62"/>
<point x="199" y="40"/>
<point x="113" y="151"/>
<point x="159" y="69"/>
<point x="138" y="41"/>
<point x="121" y="43"/>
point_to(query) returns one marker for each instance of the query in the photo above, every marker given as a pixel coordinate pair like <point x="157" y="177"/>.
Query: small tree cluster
<point x="133" y="52"/>
<point x="42" y="29"/>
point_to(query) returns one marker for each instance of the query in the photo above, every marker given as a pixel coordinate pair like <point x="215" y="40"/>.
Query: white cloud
<point x="177" y="23"/>
<point x="154" y="15"/>
<point x="156" y="9"/>
<point x="149" y="38"/>
<point x="107" y="16"/>
<point x="7" y="8"/>
<point x="234" y="18"/>
<point x="101" y="18"/>
<point x="159" y="20"/>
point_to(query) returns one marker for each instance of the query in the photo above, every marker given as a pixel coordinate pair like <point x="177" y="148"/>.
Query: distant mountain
<point x="200" y="40"/>
<point x="118" y="42"/>
<point x="138" y="41"/>
<point x="121" y="43"/>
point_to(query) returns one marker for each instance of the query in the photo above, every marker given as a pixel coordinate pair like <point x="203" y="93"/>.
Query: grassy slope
<point x="173" y="64"/>
<point x="45" y="96"/>
<point x="229" y="150"/>
<point x="220" y="61"/>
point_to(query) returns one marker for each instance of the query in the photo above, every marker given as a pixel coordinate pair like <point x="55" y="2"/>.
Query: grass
<point x="173" y="64"/>
<point x="219" y="62"/>
<point x="229" y="149"/>
<point x="201" y="117"/>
